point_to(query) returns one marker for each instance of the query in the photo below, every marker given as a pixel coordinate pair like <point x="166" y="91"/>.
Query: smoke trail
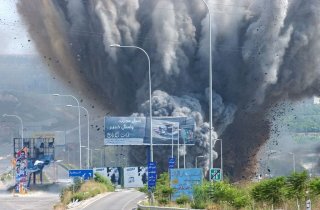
<point x="263" y="51"/>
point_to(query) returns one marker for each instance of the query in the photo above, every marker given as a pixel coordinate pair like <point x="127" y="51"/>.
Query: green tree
<point x="270" y="191"/>
<point x="314" y="186"/>
<point x="163" y="190"/>
<point x="296" y="186"/>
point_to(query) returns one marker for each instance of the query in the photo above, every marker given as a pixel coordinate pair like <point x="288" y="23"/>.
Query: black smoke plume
<point x="263" y="52"/>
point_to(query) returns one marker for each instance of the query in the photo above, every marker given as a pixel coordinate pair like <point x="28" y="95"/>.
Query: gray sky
<point x="14" y="36"/>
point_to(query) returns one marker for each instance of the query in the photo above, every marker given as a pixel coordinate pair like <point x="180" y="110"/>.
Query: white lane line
<point x="123" y="208"/>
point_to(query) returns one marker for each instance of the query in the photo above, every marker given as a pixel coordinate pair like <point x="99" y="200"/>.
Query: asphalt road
<point x="121" y="200"/>
<point x="41" y="197"/>
<point x="38" y="201"/>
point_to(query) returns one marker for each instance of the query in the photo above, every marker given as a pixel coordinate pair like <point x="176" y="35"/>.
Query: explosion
<point x="264" y="52"/>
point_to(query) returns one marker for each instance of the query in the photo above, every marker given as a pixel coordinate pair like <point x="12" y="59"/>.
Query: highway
<point x="121" y="200"/>
<point x="41" y="197"/>
<point x="39" y="201"/>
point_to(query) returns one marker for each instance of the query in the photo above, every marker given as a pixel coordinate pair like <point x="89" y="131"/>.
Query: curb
<point x="142" y="207"/>
<point x="85" y="203"/>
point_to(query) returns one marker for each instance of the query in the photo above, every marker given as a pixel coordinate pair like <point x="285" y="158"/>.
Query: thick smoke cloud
<point x="263" y="52"/>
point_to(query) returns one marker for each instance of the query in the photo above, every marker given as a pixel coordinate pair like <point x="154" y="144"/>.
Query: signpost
<point x="215" y="174"/>
<point x="183" y="181"/>
<point x="172" y="162"/>
<point x="152" y="175"/>
<point x="84" y="173"/>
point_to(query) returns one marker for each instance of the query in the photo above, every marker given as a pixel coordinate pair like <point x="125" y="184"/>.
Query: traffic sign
<point x="215" y="174"/>
<point x="172" y="162"/>
<point x="84" y="173"/>
<point x="152" y="175"/>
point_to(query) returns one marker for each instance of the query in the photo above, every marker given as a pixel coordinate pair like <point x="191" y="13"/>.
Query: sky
<point x="13" y="33"/>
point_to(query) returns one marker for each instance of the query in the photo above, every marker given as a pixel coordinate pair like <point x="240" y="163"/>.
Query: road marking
<point x="96" y="199"/>
<point x="123" y="208"/>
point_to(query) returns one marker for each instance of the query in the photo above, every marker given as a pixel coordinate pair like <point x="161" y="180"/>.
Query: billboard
<point x="124" y="130"/>
<point x="135" y="176"/>
<point x="164" y="131"/>
<point x="136" y="130"/>
<point x="111" y="173"/>
<point x="183" y="180"/>
<point x="21" y="164"/>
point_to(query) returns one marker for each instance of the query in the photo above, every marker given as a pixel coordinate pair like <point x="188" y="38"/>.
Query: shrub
<point x="84" y="190"/>
<point x="314" y="186"/>
<point x="183" y="199"/>
<point x="101" y="179"/>
<point x="144" y="189"/>
<point x="65" y="196"/>
<point x="163" y="201"/>
<point x="79" y="196"/>
<point x="270" y="191"/>
<point x="200" y="196"/>
<point x="210" y="193"/>
<point x="76" y="184"/>
<point x="163" y="190"/>
<point x="240" y="199"/>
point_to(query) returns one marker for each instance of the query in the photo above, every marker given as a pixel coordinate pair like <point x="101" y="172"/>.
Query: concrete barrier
<point x="143" y="207"/>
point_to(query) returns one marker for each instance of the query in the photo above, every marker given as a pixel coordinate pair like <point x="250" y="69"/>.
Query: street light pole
<point x="221" y="157"/>
<point x="100" y="156"/>
<point x="88" y="153"/>
<point x="293" y="161"/>
<point x="200" y="156"/>
<point x="172" y="140"/>
<point x="210" y="82"/>
<point x="56" y="94"/>
<point x="16" y="116"/>
<point x="185" y="151"/>
<point x="178" y="148"/>
<point x="88" y="130"/>
<point x="150" y="102"/>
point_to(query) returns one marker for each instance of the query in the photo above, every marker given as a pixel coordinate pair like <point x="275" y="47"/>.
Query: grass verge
<point x="83" y="190"/>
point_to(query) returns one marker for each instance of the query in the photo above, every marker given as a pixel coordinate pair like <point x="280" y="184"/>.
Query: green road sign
<point x="215" y="174"/>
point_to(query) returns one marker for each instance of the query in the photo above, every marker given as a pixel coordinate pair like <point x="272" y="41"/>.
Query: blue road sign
<point x="183" y="181"/>
<point x="85" y="173"/>
<point x="172" y="162"/>
<point x="152" y="175"/>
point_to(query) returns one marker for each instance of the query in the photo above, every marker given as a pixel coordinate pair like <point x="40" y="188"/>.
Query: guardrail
<point x="143" y="207"/>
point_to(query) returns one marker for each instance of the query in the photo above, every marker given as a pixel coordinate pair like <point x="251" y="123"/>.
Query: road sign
<point x="85" y="173"/>
<point x="172" y="162"/>
<point x="183" y="181"/>
<point x="152" y="175"/>
<point x="308" y="204"/>
<point x="215" y="174"/>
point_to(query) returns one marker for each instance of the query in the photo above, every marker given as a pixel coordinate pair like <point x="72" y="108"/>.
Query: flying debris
<point x="264" y="53"/>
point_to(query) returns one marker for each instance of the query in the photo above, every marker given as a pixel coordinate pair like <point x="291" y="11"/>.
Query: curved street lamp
<point x="88" y="131"/>
<point x="150" y="102"/>
<point x="56" y="94"/>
